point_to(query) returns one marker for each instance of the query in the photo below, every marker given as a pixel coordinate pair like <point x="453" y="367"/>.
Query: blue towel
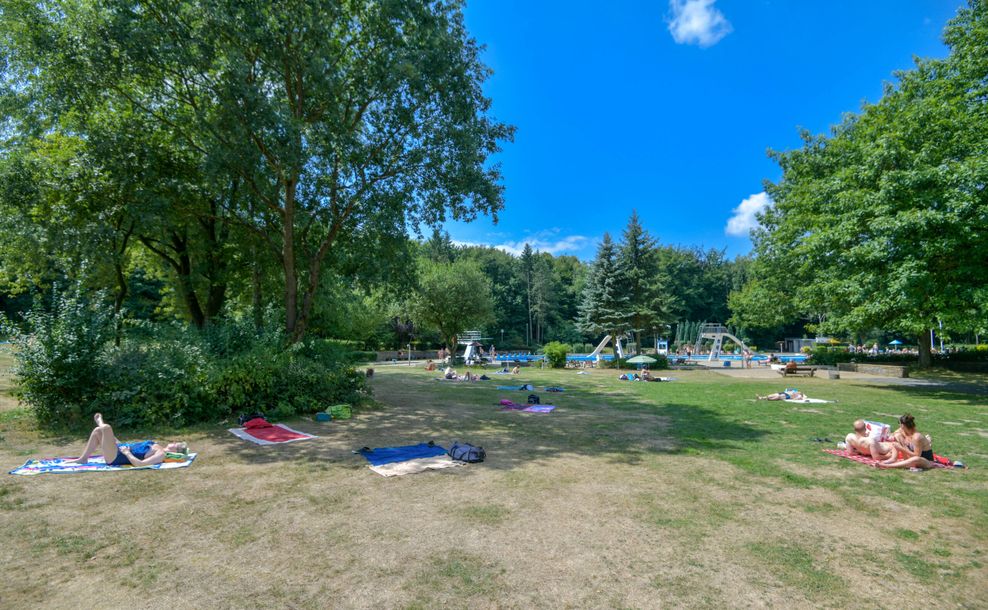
<point x="554" y="389"/>
<point x="529" y="387"/>
<point x="390" y="455"/>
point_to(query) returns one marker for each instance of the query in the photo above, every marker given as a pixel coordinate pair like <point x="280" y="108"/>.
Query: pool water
<point x="587" y="357"/>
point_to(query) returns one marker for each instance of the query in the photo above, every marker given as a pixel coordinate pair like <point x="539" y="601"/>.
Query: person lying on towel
<point x="859" y="443"/>
<point x="789" y="394"/>
<point x="913" y="450"/>
<point x="143" y="453"/>
<point x="450" y="373"/>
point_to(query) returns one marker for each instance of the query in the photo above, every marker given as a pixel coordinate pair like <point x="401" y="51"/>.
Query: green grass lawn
<point x="629" y="495"/>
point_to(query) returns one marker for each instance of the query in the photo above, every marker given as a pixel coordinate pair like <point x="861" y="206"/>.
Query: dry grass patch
<point x="656" y="495"/>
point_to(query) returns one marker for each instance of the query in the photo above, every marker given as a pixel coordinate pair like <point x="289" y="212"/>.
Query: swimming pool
<point x="589" y="358"/>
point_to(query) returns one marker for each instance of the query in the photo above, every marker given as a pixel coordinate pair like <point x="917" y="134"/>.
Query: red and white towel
<point x="262" y="432"/>
<point x="939" y="461"/>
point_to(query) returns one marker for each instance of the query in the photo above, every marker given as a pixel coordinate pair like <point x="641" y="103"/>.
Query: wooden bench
<point x="807" y="371"/>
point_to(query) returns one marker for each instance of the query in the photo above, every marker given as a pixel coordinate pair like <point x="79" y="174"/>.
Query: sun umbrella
<point x="895" y="342"/>
<point x="641" y="360"/>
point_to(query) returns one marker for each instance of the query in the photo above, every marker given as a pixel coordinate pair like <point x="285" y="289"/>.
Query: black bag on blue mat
<point x="465" y="452"/>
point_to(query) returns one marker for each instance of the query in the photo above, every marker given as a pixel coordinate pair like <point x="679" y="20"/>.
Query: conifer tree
<point x="648" y="307"/>
<point x="603" y="308"/>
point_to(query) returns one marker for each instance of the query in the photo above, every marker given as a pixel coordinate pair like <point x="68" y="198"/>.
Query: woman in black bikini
<point x="914" y="450"/>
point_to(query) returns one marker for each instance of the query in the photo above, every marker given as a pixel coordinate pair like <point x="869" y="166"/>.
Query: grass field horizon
<point x="629" y="495"/>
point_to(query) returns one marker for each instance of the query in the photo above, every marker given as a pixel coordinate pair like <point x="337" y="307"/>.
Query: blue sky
<point x="669" y="107"/>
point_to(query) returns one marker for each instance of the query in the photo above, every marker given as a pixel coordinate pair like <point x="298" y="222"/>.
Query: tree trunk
<point x="122" y="288"/>
<point x="216" y="269"/>
<point x="925" y="352"/>
<point x="118" y="302"/>
<point x="256" y="297"/>
<point x="188" y="290"/>
<point x="288" y="261"/>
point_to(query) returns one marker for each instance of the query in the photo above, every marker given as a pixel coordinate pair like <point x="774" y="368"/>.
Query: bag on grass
<point x="533" y="399"/>
<point x="244" y="417"/>
<point x="465" y="452"/>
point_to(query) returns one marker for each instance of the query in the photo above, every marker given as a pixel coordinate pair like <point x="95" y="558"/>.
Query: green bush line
<point x="69" y="366"/>
<point x="825" y="355"/>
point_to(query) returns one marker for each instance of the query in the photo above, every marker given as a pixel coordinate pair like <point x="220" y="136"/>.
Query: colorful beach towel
<point x="507" y="405"/>
<point x="262" y="432"/>
<point x="407" y="459"/>
<point x="939" y="460"/>
<point x="95" y="464"/>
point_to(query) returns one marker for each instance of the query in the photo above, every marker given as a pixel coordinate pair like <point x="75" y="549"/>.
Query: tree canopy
<point x="885" y="222"/>
<point x="325" y="131"/>
<point x="452" y="298"/>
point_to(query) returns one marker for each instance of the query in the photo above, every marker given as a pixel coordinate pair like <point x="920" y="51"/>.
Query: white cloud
<point x="744" y="219"/>
<point x="543" y="241"/>
<point x="697" y="22"/>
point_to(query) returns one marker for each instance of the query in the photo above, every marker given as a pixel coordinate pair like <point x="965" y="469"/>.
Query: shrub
<point x="171" y="374"/>
<point x="555" y="354"/>
<point x="661" y="362"/>
<point x="828" y="356"/>
<point x="361" y="357"/>
<point x="60" y="354"/>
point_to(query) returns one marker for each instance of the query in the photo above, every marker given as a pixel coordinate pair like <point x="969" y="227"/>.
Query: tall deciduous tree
<point x="452" y="298"/>
<point x="884" y="224"/>
<point x="347" y="122"/>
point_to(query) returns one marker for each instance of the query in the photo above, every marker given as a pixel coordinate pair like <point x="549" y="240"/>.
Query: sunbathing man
<point x="450" y="373"/>
<point x="858" y="442"/>
<point x="789" y="394"/>
<point x="430" y="365"/>
<point x="143" y="453"/>
<point x="913" y="450"/>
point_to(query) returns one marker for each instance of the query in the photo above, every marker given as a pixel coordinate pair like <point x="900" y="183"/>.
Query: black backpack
<point x="465" y="452"/>
<point x="533" y="399"/>
<point x="244" y="418"/>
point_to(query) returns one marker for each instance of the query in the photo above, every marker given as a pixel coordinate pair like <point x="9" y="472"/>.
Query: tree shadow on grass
<point x="621" y="429"/>
<point x="954" y="392"/>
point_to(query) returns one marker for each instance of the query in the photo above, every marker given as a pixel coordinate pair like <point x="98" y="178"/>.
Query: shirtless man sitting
<point x="858" y="442"/>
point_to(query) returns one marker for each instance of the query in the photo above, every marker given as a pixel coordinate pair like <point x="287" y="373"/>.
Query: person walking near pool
<point x="143" y="453"/>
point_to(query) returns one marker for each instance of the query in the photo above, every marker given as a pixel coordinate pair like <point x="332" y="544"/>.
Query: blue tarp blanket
<point x="554" y="389"/>
<point x="529" y="387"/>
<point x="390" y="455"/>
<point x="96" y="464"/>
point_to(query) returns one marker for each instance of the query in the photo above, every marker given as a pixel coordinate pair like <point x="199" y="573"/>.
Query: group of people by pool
<point x="645" y="375"/>
<point x="905" y="448"/>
